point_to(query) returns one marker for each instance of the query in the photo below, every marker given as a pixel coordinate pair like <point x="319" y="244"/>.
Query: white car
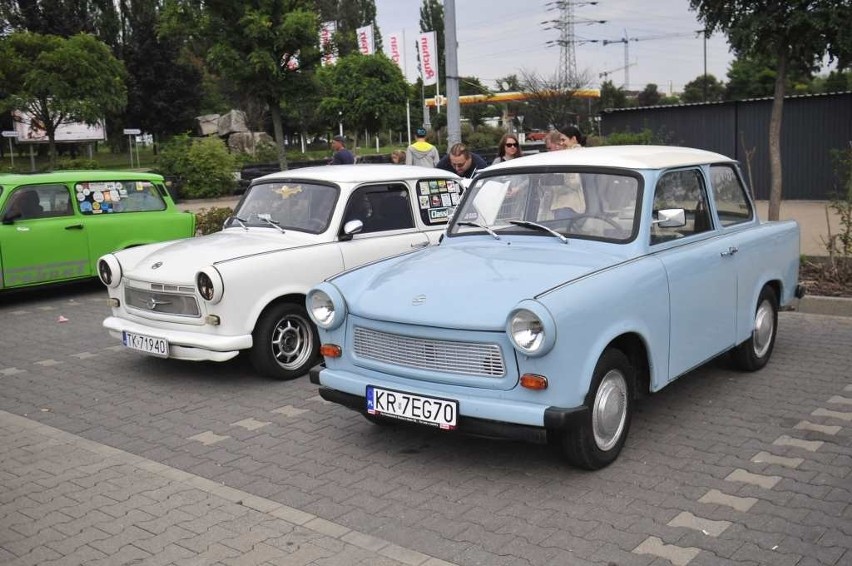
<point x="244" y="288"/>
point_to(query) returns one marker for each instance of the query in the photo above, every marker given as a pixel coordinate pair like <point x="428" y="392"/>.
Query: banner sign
<point x="427" y="48"/>
<point x="395" y="50"/>
<point x="365" y="40"/>
<point x="30" y="130"/>
<point x="326" y="41"/>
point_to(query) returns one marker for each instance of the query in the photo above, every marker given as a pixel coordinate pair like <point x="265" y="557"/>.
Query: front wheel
<point x="754" y="353"/>
<point x="597" y="442"/>
<point x="286" y="343"/>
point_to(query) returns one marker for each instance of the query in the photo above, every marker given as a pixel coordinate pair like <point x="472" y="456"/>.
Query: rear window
<point x="438" y="199"/>
<point x="108" y="197"/>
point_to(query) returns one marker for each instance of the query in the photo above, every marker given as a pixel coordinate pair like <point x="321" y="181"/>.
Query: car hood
<point x="179" y="261"/>
<point x="472" y="286"/>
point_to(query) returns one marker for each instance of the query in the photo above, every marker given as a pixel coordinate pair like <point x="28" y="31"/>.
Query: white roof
<point x="360" y="173"/>
<point x="627" y="156"/>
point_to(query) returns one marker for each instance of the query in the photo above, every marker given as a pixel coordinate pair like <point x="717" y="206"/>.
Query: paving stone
<point x="824" y="429"/>
<point x="809" y="445"/>
<point x="767" y="458"/>
<point x="766" y="482"/>
<point x="831" y="414"/>
<point x="716" y="497"/>
<point x="674" y="554"/>
<point x="706" y="526"/>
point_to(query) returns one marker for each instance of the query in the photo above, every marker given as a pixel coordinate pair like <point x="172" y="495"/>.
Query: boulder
<point x="207" y="125"/>
<point x="247" y="142"/>
<point x="232" y="122"/>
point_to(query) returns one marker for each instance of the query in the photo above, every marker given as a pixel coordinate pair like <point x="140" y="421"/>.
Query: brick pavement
<point x="100" y="444"/>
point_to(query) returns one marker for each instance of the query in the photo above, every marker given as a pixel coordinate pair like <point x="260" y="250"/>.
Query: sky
<point x="497" y="38"/>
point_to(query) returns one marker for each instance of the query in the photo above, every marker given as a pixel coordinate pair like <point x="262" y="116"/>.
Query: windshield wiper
<point x="536" y="226"/>
<point x="481" y="226"/>
<point x="268" y="220"/>
<point x="240" y="221"/>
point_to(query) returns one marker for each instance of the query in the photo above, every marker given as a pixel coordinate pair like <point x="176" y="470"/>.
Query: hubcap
<point x="764" y="325"/>
<point x="609" y="413"/>
<point x="292" y="342"/>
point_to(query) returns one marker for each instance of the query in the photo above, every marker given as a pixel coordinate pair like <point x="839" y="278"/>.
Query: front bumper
<point x="556" y="419"/>
<point x="193" y="346"/>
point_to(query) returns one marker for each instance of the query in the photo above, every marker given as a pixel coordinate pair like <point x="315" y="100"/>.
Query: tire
<point x="755" y="352"/>
<point x="286" y="343"/>
<point x="597" y="442"/>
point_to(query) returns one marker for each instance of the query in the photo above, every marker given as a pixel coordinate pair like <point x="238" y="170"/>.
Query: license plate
<point x="148" y="344"/>
<point x="432" y="411"/>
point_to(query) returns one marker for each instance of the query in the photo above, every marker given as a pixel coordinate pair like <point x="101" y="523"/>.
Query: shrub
<point x="203" y="166"/>
<point x="79" y="163"/>
<point x="209" y="220"/>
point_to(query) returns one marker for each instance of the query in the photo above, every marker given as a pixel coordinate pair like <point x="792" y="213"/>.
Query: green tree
<point x="650" y="96"/>
<point x="795" y="34"/>
<point x="261" y="46"/>
<point x="349" y="16"/>
<point x="552" y="102"/>
<point x="703" y="88"/>
<point x="368" y="90"/>
<point x="612" y="96"/>
<point x="55" y="80"/>
<point x="63" y="17"/>
<point x="509" y="83"/>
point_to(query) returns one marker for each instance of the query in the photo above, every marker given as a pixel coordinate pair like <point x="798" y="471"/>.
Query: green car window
<point x="107" y="197"/>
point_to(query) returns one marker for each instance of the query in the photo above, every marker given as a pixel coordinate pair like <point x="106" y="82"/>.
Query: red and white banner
<point x="365" y="40"/>
<point x="427" y="47"/>
<point x="396" y="50"/>
<point x="326" y="41"/>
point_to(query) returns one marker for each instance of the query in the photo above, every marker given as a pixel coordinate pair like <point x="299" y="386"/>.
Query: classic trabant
<point x="56" y="225"/>
<point x="244" y="288"/>
<point x="568" y="282"/>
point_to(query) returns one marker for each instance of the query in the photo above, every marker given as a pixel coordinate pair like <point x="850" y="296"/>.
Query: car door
<point x="41" y="239"/>
<point x="389" y="228"/>
<point x="701" y="273"/>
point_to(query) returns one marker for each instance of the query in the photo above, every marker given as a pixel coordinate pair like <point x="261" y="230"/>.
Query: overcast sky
<point x="497" y="38"/>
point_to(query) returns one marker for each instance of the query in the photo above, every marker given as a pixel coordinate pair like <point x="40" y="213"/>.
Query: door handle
<point x="419" y="244"/>
<point x="730" y="251"/>
<point x="74" y="227"/>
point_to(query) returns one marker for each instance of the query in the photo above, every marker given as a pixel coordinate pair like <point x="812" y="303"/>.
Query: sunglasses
<point x="510" y="144"/>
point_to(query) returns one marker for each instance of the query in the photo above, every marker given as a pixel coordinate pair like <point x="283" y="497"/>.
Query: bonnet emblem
<point x="418" y="300"/>
<point x="157" y="265"/>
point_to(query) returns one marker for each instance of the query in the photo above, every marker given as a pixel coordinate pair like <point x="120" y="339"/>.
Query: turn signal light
<point x="113" y="302"/>
<point x="213" y="319"/>
<point x="331" y="350"/>
<point x="533" y="381"/>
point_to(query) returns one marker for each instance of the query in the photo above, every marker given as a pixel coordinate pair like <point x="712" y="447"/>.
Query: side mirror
<point x="670" y="218"/>
<point x="351" y="228"/>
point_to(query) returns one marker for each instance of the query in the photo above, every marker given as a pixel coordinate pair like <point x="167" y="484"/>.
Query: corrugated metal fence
<point x="812" y="127"/>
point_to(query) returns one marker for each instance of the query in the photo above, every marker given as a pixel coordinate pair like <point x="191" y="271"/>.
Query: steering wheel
<point x="604" y="219"/>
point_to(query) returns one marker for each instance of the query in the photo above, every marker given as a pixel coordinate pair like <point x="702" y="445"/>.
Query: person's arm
<point x="335" y="159"/>
<point x="434" y="156"/>
<point x="444" y="163"/>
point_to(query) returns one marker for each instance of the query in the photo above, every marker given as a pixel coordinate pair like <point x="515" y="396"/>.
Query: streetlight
<point x="340" y="121"/>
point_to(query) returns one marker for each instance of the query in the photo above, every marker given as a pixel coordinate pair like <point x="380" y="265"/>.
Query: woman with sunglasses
<point x="509" y="149"/>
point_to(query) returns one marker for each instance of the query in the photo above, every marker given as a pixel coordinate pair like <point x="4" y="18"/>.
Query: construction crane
<point x="626" y="41"/>
<point x="605" y="74"/>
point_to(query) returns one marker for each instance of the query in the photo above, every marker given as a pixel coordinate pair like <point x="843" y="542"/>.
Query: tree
<point x="62" y="17"/>
<point x="612" y="96"/>
<point x="509" y="83"/>
<point x="650" y="96"/>
<point x="551" y="101"/>
<point x="704" y="88"/>
<point x="796" y="34"/>
<point x="262" y="46"/>
<point x="349" y="16"/>
<point x="55" y="80"/>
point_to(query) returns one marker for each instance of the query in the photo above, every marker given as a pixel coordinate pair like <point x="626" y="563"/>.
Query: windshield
<point x="593" y="205"/>
<point x="305" y="207"/>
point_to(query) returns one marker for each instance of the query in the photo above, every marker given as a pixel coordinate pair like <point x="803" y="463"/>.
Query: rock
<point x="232" y="122"/>
<point x="248" y="142"/>
<point x="207" y="125"/>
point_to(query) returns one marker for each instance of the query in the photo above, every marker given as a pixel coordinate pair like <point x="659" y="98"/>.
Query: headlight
<point x="531" y="329"/>
<point x="326" y="306"/>
<point x="109" y="271"/>
<point x="209" y="283"/>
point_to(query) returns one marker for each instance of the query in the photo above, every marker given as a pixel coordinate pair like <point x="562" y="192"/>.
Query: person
<point x="422" y="152"/>
<point x="342" y="156"/>
<point x="398" y="156"/>
<point x="461" y="161"/>
<point x="572" y="137"/>
<point x="553" y="141"/>
<point x="509" y="149"/>
<point x="24" y="205"/>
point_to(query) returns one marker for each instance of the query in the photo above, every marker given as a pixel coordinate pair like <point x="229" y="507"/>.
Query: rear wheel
<point x="597" y="442"/>
<point x="286" y="343"/>
<point x="755" y="352"/>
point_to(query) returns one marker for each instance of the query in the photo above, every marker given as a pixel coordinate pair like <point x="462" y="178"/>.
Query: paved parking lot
<point x="108" y="457"/>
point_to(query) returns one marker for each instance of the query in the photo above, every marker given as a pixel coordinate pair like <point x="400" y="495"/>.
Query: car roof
<point x="360" y="173"/>
<point x="625" y="156"/>
<point x="72" y="175"/>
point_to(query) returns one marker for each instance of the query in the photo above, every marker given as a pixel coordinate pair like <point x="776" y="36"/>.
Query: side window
<point x="681" y="190"/>
<point x="55" y="201"/>
<point x="380" y="208"/>
<point x="107" y="197"/>
<point x="732" y="204"/>
<point x="437" y="200"/>
<point x="38" y="201"/>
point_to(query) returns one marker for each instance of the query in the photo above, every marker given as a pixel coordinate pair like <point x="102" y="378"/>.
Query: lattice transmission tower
<point x="564" y="24"/>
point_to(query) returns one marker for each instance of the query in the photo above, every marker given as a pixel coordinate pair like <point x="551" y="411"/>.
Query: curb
<point x="834" y="306"/>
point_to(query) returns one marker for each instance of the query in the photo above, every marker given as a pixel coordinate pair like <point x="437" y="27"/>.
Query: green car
<point x="56" y="225"/>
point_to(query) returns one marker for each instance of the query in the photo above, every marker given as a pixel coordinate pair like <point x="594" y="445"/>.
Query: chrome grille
<point x="161" y="302"/>
<point x="464" y="358"/>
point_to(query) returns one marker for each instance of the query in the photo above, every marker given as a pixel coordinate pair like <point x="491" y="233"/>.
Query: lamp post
<point x="340" y="121"/>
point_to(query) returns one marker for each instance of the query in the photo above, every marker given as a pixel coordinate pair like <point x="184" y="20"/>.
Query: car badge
<point x="153" y="303"/>
<point x="157" y="265"/>
<point x="418" y="300"/>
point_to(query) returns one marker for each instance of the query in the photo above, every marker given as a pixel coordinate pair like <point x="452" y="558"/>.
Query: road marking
<point x="289" y="411"/>
<point x="208" y="437"/>
<point x="716" y="497"/>
<point x="675" y="554"/>
<point x="767" y="458"/>
<point x="12" y="371"/>
<point x="766" y="482"/>
<point x="809" y="445"/>
<point x="832" y="414"/>
<point x="47" y="363"/>
<point x="706" y="526"/>
<point x="825" y="429"/>
<point x="250" y="424"/>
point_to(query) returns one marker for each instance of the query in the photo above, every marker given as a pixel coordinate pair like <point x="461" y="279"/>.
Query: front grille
<point x="463" y="358"/>
<point x="161" y="303"/>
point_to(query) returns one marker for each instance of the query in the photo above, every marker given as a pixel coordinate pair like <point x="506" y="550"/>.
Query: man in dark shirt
<point x="461" y="161"/>
<point x="342" y="156"/>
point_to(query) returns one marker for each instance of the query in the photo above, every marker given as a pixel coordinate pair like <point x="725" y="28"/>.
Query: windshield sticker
<point x="286" y="191"/>
<point x="439" y="214"/>
<point x="438" y="199"/>
<point x="423" y="187"/>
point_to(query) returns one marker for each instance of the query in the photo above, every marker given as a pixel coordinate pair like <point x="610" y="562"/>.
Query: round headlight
<point x="209" y="284"/>
<point x="109" y="271"/>
<point x="526" y="331"/>
<point x="326" y="306"/>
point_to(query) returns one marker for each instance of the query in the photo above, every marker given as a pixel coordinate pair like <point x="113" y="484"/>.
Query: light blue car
<point x="567" y="283"/>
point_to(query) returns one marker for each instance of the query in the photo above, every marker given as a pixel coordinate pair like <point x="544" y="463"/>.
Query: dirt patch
<point x="820" y="277"/>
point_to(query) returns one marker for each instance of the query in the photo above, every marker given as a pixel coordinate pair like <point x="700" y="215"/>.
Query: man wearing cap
<point x="342" y="156"/>
<point x="421" y="152"/>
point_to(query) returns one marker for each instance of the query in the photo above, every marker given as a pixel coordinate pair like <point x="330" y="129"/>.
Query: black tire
<point x="755" y="352"/>
<point x="597" y="442"/>
<point x="286" y="343"/>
